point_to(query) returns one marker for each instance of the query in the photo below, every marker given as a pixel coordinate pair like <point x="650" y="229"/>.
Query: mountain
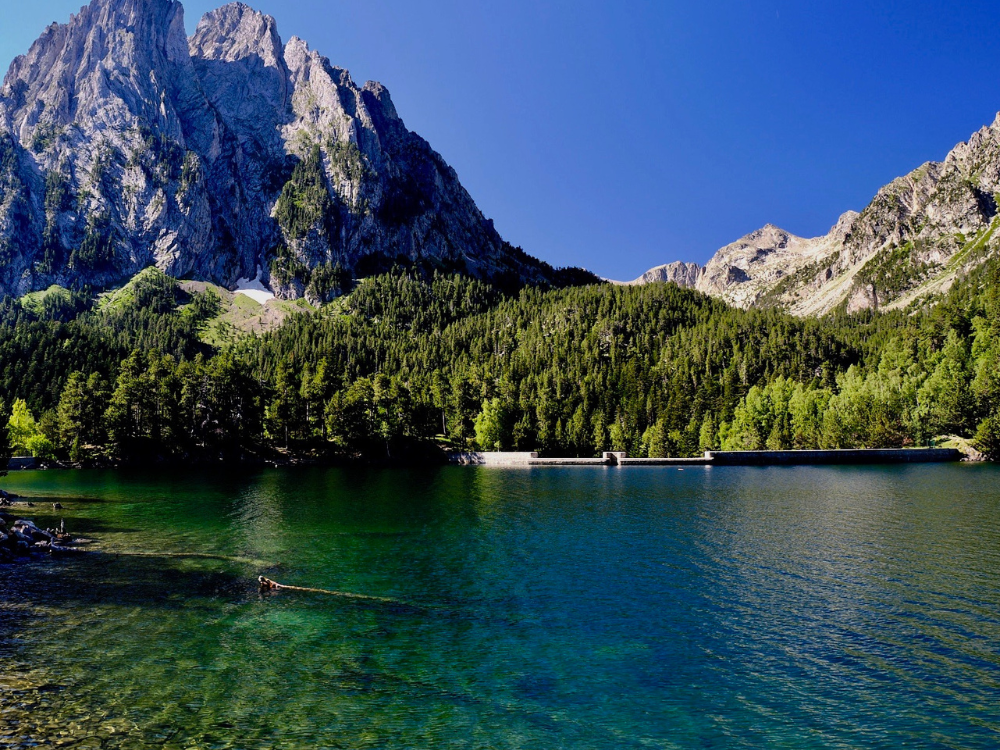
<point x="918" y="235"/>
<point x="743" y="272"/>
<point x="229" y="155"/>
<point x="678" y="272"/>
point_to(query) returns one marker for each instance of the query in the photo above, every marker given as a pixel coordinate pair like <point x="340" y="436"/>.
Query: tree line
<point x="410" y="361"/>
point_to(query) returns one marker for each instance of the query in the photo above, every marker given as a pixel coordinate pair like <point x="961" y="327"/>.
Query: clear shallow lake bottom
<point x="714" y="607"/>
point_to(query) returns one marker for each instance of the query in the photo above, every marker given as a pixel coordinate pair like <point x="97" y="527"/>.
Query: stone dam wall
<point x="473" y="458"/>
<point x="723" y="458"/>
<point x="864" y="456"/>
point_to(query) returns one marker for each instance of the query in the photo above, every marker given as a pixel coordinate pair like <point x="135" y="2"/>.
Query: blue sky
<point x="621" y="135"/>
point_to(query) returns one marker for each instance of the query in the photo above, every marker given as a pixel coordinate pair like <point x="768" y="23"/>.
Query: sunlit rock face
<point x="124" y="144"/>
<point x="683" y="274"/>
<point x="919" y="233"/>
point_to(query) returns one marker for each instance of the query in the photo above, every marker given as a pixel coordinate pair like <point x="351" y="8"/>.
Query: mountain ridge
<point x="919" y="234"/>
<point x="126" y="144"/>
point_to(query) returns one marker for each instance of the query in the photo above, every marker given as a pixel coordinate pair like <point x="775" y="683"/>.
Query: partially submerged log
<point x="267" y="585"/>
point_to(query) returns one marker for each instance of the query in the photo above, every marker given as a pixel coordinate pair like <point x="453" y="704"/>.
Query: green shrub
<point x="40" y="446"/>
<point x="988" y="437"/>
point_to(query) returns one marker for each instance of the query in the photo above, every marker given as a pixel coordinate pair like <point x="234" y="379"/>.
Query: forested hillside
<point x="407" y="362"/>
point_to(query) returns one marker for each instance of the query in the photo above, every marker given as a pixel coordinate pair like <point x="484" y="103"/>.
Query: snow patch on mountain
<point x="254" y="288"/>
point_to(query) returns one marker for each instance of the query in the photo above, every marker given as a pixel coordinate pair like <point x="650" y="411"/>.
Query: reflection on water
<point x="597" y="608"/>
<point x="257" y="522"/>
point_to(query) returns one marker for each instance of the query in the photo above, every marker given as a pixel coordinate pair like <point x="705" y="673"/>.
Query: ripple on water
<point x="724" y="607"/>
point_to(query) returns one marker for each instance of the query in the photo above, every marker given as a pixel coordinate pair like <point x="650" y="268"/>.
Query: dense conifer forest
<point x="409" y="363"/>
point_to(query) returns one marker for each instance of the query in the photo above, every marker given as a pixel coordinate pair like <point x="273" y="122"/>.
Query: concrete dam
<point x="723" y="458"/>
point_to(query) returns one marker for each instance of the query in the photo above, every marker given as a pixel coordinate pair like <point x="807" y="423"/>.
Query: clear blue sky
<point x="619" y="135"/>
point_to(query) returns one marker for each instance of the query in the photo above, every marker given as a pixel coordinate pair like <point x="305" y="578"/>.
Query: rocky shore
<point x="21" y="538"/>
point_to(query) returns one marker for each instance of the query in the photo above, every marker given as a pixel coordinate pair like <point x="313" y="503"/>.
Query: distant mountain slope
<point x="124" y="144"/>
<point x="919" y="234"/>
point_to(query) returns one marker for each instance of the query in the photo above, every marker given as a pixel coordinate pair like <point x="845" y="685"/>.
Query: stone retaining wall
<point x="482" y="458"/>
<point x="866" y="456"/>
<point x="570" y="462"/>
<point x="664" y="461"/>
<point x="721" y="458"/>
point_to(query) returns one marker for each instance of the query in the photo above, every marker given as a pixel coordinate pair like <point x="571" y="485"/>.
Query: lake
<point x="710" y="607"/>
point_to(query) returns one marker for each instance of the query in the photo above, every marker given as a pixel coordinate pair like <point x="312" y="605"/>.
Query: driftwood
<point x="267" y="585"/>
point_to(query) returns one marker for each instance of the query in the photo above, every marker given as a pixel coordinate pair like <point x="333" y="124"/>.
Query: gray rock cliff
<point x="680" y="273"/>
<point x="124" y="144"/>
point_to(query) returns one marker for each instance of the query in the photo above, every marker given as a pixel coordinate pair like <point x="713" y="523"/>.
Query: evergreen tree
<point x="988" y="437"/>
<point x="5" y="447"/>
<point x="72" y="410"/>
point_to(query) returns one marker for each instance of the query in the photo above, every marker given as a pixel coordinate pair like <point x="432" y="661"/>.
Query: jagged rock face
<point x="744" y="272"/>
<point x="683" y="274"/>
<point x="921" y="230"/>
<point x="124" y="144"/>
<point x="100" y="116"/>
<point x="918" y="235"/>
<point x="741" y="273"/>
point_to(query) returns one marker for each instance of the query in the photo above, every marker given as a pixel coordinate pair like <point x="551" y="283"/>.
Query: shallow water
<point x="544" y="608"/>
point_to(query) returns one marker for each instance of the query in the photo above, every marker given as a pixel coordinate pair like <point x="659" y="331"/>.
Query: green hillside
<point x="169" y="370"/>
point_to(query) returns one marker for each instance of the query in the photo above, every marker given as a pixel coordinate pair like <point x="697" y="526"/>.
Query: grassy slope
<point x="35" y="300"/>
<point x="241" y="315"/>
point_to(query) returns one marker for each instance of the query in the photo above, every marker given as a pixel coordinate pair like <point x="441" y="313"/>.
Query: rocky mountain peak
<point x="97" y="58"/>
<point x="125" y="144"/>
<point x="680" y="273"/>
<point x="381" y="94"/>
<point x="237" y="31"/>
<point x="767" y="238"/>
<point x="844" y="225"/>
<point x="239" y="58"/>
<point x="918" y="234"/>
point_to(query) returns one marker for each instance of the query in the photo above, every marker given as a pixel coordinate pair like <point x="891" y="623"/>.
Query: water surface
<point x="609" y="608"/>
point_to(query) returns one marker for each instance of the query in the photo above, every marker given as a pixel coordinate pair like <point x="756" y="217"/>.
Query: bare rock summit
<point x="918" y="235"/>
<point x="124" y="145"/>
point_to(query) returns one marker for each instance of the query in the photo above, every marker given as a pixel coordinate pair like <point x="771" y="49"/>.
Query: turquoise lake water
<point x="714" y="607"/>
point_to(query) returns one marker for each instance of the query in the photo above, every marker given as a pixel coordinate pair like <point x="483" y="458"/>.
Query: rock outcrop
<point x="918" y="235"/>
<point x="678" y="272"/>
<point x="124" y="144"/>
<point x="744" y="272"/>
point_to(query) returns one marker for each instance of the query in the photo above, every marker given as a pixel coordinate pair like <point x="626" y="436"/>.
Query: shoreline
<point x="842" y="457"/>
<point x="22" y="539"/>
